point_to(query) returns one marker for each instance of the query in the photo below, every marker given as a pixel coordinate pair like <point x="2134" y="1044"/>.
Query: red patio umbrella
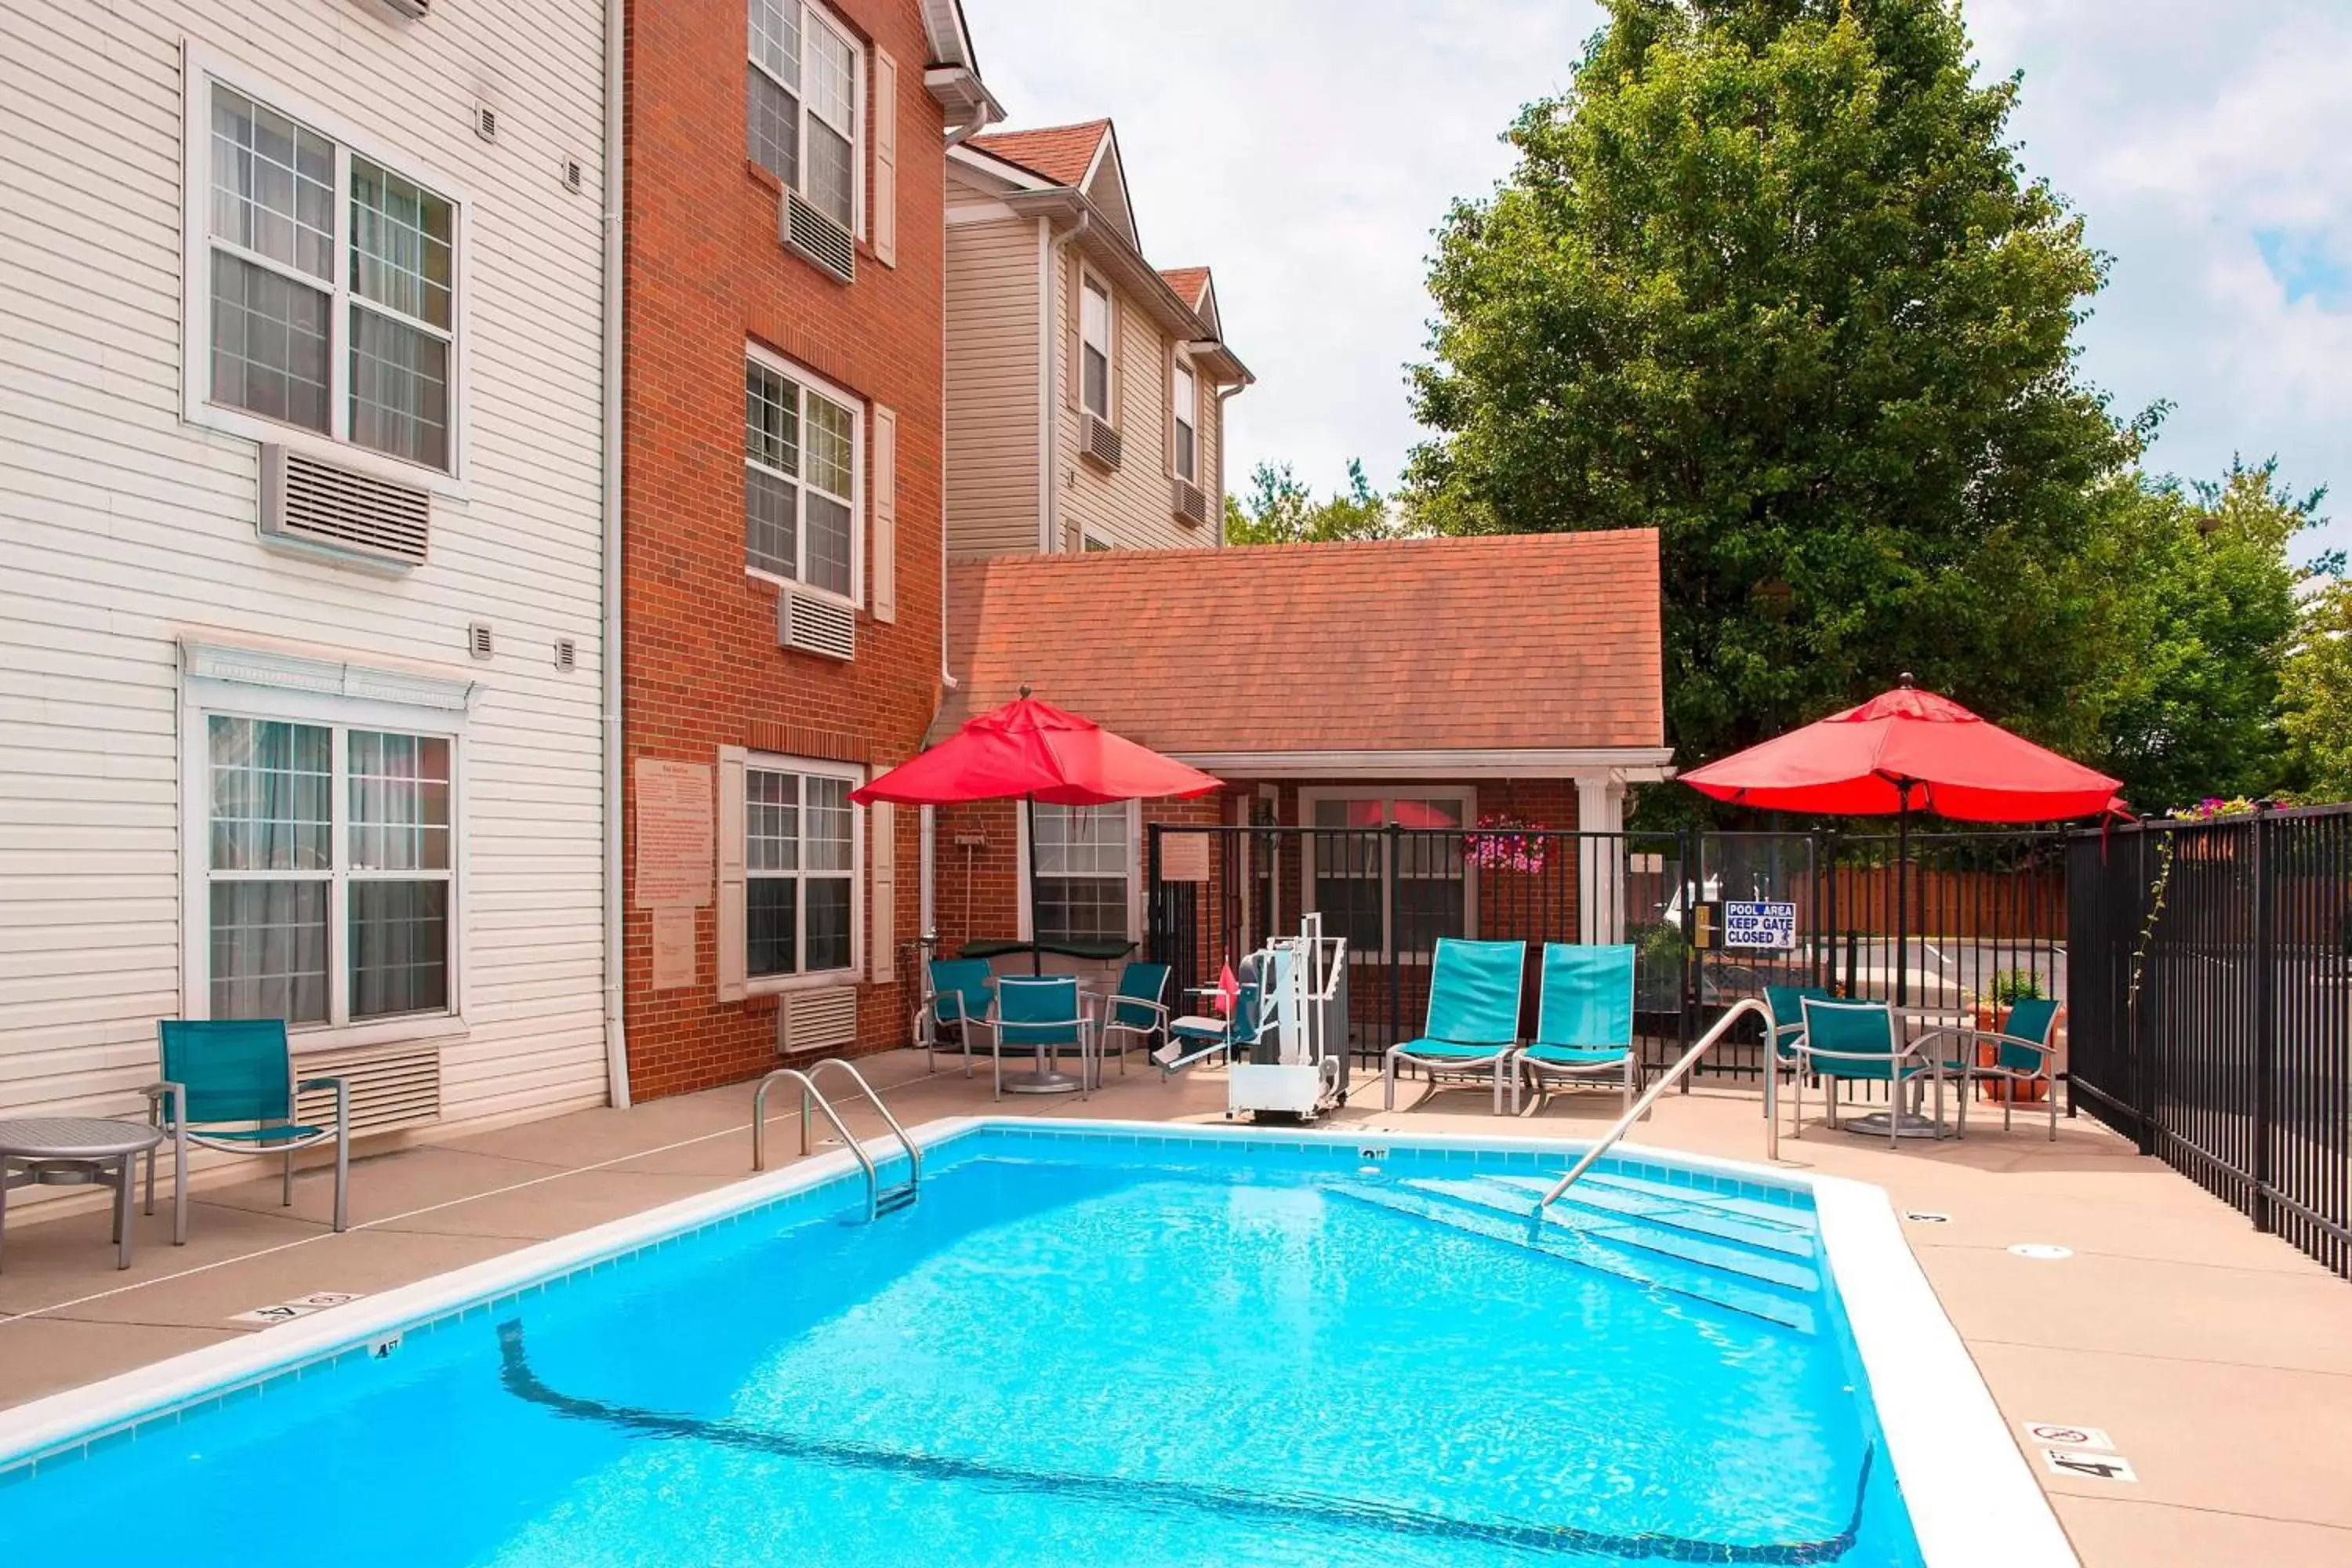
<point x="1905" y="748"/>
<point x="1032" y="751"/>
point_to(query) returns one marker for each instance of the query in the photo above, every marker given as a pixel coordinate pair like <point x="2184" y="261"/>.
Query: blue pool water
<point x="1076" y="1350"/>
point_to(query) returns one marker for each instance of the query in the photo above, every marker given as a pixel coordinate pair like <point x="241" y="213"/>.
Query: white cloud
<point x="1305" y="151"/>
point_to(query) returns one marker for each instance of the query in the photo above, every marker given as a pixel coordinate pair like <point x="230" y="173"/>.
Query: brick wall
<point x="700" y="667"/>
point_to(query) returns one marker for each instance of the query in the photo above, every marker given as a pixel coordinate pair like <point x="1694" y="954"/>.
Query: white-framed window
<point x="1085" y="877"/>
<point x="329" y="869"/>
<point x="1094" y="347"/>
<point x="1184" y="407"/>
<point x="324" y="282"/>
<point x="807" y="89"/>
<point x="800" y="461"/>
<point x="800" y="860"/>
<point x="1347" y="869"/>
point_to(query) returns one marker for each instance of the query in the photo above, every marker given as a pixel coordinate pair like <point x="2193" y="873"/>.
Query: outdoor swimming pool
<point x="1082" y="1346"/>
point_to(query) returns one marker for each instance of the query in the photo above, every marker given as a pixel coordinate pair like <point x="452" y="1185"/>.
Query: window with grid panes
<point x="1083" y="867"/>
<point x="351" y="337"/>
<point x="803" y="109"/>
<point x="800" y="466"/>
<point x="800" y="834"/>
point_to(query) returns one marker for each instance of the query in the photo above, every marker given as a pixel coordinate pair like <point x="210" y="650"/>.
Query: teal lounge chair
<point x="1472" y="1026"/>
<point x="1133" y="1014"/>
<point x="1863" y="1041"/>
<point x="1584" y="1022"/>
<point x="963" y="997"/>
<point x="2025" y="1051"/>
<point x="1041" y="1017"/>
<point x="1788" y="1006"/>
<point x="228" y="1085"/>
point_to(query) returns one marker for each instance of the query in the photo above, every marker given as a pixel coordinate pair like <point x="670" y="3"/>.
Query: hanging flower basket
<point x="1507" y="843"/>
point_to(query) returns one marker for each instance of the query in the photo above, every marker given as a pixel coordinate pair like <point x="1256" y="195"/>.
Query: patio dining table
<point x="1910" y="1123"/>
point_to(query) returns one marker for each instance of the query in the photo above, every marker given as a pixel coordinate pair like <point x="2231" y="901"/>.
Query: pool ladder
<point x="880" y="1200"/>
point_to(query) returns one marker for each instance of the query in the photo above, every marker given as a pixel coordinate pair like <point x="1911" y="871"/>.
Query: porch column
<point x="1600" y="862"/>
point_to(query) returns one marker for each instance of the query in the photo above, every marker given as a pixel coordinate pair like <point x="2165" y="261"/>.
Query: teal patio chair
<point x="1584" y="1022"/>
<point x="1787" y="1004"/>
<point x="228" y="1085"/>
<point x="963" y="996"/>
<point x="1133" y="1014"/>
<point x="1473" y="1025"/>
<point x="1039" y="1015"/>
<point x="2025" y="1051"/>
<point x="1862" y="1042"/>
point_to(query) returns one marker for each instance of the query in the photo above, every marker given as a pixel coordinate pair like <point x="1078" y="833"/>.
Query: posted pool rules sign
<point x="1760" y="925"/>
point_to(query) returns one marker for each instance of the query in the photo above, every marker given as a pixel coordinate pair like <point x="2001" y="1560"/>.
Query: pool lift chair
<point x="1285" y="1039"/>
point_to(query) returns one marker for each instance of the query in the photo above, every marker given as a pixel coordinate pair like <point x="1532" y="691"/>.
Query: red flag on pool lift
<point x="1228" y="990"/>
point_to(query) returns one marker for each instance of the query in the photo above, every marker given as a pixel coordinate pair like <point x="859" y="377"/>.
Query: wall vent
<point x="567" y="655"/>
<point x="1103" y="444"/>
<point x="479" y="642"/>
<point x="415" y="8"/>
<point x="392" y="1086"/>
<point x="823" y="1020"/>
<point x="315" y="502"/>
<point x="825" y="242"/>
<point x="1190" y="503"/>
<point x="575" y="178"/>
<point x="486" y="122"/>
<point x="815" y="624"/>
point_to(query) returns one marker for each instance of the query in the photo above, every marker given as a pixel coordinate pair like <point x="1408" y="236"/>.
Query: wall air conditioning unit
<point x="1190" y="503"/>
<point x="391" y="1087"/>
<point x="815" y="624"/>
<point x="1102" y="443"/>
<point x="810" y="1021"/>
<point x="307" y="501"/>
<point x="816" y="237"/>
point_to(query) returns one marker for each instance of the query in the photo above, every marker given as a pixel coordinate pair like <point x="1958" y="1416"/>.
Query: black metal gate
<point x="2212" y="1008"/>
<point x="1974" y="917"/>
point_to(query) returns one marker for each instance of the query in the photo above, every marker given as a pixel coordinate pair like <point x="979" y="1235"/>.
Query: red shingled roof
<point x="1188" y="282"/>
<point x="1526" y="641"/>
<point x="1059" y="152"/>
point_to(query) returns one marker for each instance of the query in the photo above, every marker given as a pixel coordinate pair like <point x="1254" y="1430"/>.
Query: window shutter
<point x="732" y="958"/>
<point x="885" y="159"/>
<point x="886" y="514"/>
<point x="882" y="863"/>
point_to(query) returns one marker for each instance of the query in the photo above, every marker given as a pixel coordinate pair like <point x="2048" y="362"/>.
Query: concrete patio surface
<point x="2219" y="1359"/>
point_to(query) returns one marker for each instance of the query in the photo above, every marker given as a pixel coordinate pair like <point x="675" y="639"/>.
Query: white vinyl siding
<point x="1129" y="505"/>
<point x="129" y="520"/>
<point x="995" y="420"/>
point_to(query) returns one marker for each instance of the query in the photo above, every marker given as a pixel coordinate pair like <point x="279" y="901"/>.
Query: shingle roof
<point x="1188" y="282"/>
<point x="1059" y="152"/>
<point x="1528" y="641"/>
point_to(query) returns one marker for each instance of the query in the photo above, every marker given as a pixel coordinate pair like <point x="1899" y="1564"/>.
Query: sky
<point x="1307" y="148"/>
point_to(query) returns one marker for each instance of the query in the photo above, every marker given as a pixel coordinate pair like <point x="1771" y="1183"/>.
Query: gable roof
<point x="1062" y="153"/>
<point x="1190" y="282"/>
<point x="1529" y="642"/>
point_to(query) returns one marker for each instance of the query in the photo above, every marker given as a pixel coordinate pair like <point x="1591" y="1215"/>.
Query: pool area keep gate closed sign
<point x="1760" y="925"/>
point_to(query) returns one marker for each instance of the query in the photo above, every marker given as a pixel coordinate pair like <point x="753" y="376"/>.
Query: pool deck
<point x="2217" y="1359"/>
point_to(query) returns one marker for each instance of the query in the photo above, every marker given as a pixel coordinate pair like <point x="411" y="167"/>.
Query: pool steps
<point x="1674" y="1254"/>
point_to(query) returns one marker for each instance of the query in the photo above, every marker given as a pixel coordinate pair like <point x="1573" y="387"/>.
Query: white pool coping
<point x="1972" y="1498"/>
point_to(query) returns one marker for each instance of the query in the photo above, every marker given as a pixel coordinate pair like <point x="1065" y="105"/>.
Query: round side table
<point x="71" y="1152"/>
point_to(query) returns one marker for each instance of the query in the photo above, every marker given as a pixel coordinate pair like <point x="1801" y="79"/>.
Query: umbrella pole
<point x="1037" y="935"/>
<point x="1903" y="898"/>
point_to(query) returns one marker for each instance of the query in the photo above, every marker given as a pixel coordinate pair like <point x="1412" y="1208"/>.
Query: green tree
<point x="1281" y="509"/>
<point x="2194" y="610"/>
<point x="1770" y="278"/>
<point x="2316" y="696"/>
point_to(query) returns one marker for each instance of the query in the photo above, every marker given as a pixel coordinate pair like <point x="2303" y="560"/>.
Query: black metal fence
<point x="1971" y="918"/>
<point x="2212" y="1008"/>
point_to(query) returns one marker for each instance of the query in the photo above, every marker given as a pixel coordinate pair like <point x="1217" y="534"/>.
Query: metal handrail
<point x="810" y="1094"/>
<point x="1675" y="1075"/>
